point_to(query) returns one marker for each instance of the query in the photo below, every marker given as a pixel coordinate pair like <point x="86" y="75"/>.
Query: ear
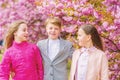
<point x="15" y="34"/>
<point x="89" y="37"/>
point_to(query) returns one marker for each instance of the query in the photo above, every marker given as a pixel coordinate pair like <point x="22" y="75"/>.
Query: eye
<point x="56" y="29"/>
<point x="50" y="28"/>
<point x="79" y="35"/>
<point x="25" y="29"/>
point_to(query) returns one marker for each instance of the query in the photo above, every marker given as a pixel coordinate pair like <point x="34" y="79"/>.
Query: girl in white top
<point x="89" y="62"/>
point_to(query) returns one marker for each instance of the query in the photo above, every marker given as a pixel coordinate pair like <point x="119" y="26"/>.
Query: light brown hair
<point x="53" y="20"/>
<point x="9" y="38"/>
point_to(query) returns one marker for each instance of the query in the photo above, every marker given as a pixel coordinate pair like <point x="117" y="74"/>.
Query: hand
<point x="12" y="74"/>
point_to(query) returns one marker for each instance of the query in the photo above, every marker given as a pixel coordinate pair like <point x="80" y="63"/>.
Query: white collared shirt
<point x="53" y="48"/>
<point x="82" y="66"/>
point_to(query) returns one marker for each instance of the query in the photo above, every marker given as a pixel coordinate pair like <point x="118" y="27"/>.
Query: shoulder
<point x="66" y="42"/>
<point x="32" y="45"/>
<point x="9" y="51"/>
<point x="41" y="42"/>
<point x="77" y="51"/>
<point x="101" y="56"/>
<point x="100" y="53"/>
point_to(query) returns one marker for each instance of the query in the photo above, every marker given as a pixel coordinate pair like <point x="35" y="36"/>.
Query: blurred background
<point x="103" y="14"/>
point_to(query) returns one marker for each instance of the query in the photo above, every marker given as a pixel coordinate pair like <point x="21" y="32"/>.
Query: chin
<point x="25" y="39"/>
<point x="53" y="37"/>
<point x="81" y="45"/>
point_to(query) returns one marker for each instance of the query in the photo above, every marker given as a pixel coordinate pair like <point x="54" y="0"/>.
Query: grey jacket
<point x="56" y="69"/>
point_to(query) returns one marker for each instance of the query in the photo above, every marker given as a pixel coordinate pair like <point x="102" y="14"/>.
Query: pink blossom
<point x="96" y="14"/>
<point x="70" y="29"/>
<point x="105" y="24"/>
<point x="59" y="6"/>
<point x="67" y="18"/>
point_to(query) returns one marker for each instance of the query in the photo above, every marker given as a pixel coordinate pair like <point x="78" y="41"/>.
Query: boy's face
<point x="53" y="31"/>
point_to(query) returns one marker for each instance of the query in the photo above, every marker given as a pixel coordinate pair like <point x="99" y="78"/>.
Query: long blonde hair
<point x="9" y="38"/>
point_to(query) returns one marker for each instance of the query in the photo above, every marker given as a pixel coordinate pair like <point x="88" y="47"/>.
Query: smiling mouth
<point x="26" y="36"/>
<point x="52" y="34"/>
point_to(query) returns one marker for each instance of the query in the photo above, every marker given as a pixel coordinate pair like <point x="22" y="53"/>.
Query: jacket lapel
<point x="45" y="49"/>
<point x="75" y="58"/>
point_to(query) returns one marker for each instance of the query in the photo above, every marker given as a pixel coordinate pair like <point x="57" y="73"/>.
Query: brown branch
<point x="118" y="50"/>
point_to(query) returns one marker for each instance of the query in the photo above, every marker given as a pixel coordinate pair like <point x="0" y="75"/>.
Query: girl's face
<point x="83" y="38"/>
<point x="22" y="33"/>
<point x="53" y="31"/>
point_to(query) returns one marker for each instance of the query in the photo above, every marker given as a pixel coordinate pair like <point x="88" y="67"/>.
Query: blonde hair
<point x="53" y="20"/>
<point x="9" y="38"/>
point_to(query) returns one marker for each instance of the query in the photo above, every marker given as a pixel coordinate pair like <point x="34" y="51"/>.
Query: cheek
<point x="57" y="32"/>
<point x="80" y="39"/>
<point x="17" y="34"/>
<point x="48" y="31"/>
<point x="20" y="34"/>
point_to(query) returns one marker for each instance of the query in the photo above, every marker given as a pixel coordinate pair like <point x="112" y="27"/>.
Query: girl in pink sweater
<point x="21" y="57"/>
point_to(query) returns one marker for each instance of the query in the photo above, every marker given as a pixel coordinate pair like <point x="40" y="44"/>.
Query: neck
<point x="17" y="40"/>
<point x="53" y="39"/>
<point x="89" y="44"/>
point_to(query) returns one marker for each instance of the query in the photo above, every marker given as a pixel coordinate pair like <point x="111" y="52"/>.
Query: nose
<point x="53" y="30"/>
<point x="26" y="32"/>
<point x="77" y="38"/>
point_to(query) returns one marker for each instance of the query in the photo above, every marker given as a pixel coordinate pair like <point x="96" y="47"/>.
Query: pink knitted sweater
<point x="24" y="60"/>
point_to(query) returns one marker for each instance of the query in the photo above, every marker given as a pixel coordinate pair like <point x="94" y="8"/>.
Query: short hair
<point x="53" y="20"/>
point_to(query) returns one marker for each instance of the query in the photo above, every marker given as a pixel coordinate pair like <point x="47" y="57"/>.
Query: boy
<point x="55" y="51"/>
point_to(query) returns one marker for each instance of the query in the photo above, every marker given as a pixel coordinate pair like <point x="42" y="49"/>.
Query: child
<point x="55" y="51"/>
<point x="89" y="62"/>
<point x="21" y="57"/>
